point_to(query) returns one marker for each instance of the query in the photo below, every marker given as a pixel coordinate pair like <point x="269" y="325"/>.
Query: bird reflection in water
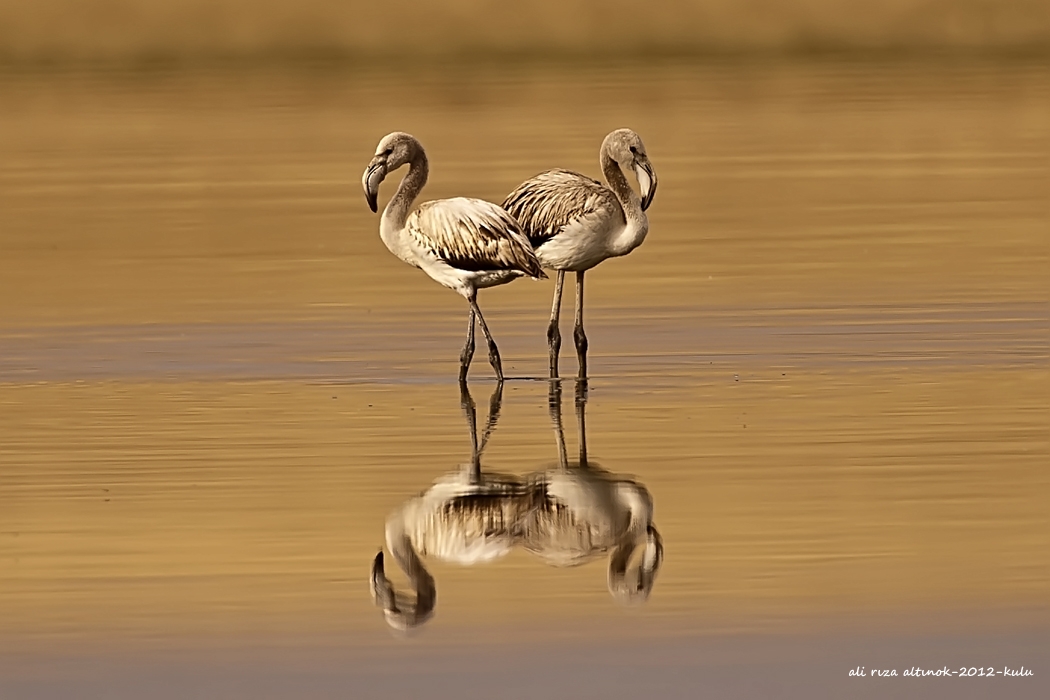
<point x="566" y="516"/>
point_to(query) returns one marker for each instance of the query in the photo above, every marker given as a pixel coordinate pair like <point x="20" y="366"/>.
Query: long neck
<point x="638" y="503"/>
<point x="396" y="213"/>
<point x="402" y="611"/>
<point x="637" y="223"/>
<point x="635" y="585"/>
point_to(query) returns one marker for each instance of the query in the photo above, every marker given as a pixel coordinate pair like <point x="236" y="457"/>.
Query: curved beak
<point x="382" y="591"/>
<point x="374" y="174"/>
<point x="652" y="556"/>
<point x="634" y="585"/>
<point x="643" y="169"/>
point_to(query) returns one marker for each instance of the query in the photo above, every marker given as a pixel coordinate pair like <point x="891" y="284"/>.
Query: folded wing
<point x="474" y="235"/>
<point x="552" y="201"/>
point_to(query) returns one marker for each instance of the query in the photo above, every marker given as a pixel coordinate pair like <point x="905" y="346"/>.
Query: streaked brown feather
<point x="472" y="234"/>
<point x="549" y="202"/>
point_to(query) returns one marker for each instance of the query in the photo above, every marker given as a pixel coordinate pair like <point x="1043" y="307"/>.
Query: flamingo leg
<point x="554" y="406"/>
<point x="495" y="405"/>
<point x="468" y="349"/>
<point x="470" y="412"/>
<point x="553" y="331"/>
<point x="494" y="360"/>
<point x="578" y="335"/>
<point x="581" y="406"/>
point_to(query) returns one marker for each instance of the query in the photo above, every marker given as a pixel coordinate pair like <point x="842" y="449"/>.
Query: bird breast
<point x="582" y="244"/>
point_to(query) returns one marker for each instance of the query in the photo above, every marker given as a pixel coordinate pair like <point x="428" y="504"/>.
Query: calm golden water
<point x="828" y="364"/>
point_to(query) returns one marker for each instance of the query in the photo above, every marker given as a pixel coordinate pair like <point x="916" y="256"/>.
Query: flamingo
<point x="463" y="244"/>
<point x="575" y="222"/>
<point x="566" y="516"/>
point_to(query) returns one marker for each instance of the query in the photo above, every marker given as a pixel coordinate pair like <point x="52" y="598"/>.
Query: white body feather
<point x="564" y="517"/>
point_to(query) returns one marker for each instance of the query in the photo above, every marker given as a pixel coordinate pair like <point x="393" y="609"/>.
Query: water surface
<point x="827" y="364"/>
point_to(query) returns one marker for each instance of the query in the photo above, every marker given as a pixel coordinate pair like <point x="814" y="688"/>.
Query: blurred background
<point x="828" y="363"/>
<point x="120" y="30"/>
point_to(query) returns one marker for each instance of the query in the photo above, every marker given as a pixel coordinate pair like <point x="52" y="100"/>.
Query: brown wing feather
<point x="472" y="234"/>
<point x="544" y="205"/>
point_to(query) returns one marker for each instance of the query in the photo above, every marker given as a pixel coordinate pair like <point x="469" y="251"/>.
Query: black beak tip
<point x="648" y="198"/>
<point x="371" y="199"/>
<point x="377" y="567"/>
